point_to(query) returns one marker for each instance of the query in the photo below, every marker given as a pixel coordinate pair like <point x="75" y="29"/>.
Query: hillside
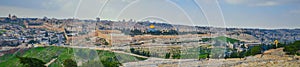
<point x="221" y="38"/>
<point x="83" y="57"/>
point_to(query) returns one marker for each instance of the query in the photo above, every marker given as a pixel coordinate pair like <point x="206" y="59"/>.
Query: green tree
<point x="31" y="62"/>
<point x="32" y="42"/>
<point x="253" y="51"/>
<point x="106" y="43"/>
<point x="111" y="62"/>
<point x="167" y="56"/>
<point x="69" y="63"/>
<point x="148" y="54"/>
<point x="132" y="50"/>
<point x="176" y="56"/>
<point x="136" y="32"/>
<point x="292" y="48"/>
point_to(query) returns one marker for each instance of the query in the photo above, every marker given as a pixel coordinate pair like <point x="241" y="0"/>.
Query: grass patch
<point x="221" y="38"/>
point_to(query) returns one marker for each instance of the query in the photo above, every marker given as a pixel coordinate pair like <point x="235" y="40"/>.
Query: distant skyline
<point x="236" y="13"/>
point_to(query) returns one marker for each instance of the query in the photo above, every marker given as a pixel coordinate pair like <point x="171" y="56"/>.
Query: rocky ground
<point x="274" y="58"/>
<point x="271" y="58"/>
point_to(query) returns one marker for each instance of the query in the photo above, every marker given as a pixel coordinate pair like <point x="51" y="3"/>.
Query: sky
<point x="218" y="13"/>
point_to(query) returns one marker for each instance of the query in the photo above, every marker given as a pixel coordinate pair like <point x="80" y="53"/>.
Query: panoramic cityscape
<point x="149" y="33"/>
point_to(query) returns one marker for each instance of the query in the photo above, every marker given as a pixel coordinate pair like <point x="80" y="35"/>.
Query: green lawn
<point x="86" y="56"/>
<point x="227" y="39"/>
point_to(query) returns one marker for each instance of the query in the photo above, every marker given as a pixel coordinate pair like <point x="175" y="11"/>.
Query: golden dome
<point x="152" y="26"/>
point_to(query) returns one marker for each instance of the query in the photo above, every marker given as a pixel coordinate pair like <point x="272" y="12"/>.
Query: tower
<point x="98" y="19"/>
<point x="9" y="16"/>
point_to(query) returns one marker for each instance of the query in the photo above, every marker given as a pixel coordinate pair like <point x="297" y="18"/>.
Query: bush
<point x="253" y="51"/>
<point x="292" y="48"/>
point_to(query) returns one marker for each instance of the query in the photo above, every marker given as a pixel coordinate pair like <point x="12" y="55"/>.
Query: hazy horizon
<point x="263" y="14"/>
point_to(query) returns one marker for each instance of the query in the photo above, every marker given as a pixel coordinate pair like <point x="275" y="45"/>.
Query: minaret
<point x="9" y="16"/>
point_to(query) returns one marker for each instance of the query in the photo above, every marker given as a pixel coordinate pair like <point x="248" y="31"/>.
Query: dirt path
<point x="47" y="64"/>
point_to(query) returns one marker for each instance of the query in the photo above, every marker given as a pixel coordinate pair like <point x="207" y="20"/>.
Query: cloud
<point x="267" y="3"/>
<point x="129" y="1"/>
<point x="235" y="1"/>
<point x="258" y="3"/>
<point x="27" y="12"/>
<point x="294" y="11"/>
<point x="53" y="8"/>
<point x="161" y="10"/>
